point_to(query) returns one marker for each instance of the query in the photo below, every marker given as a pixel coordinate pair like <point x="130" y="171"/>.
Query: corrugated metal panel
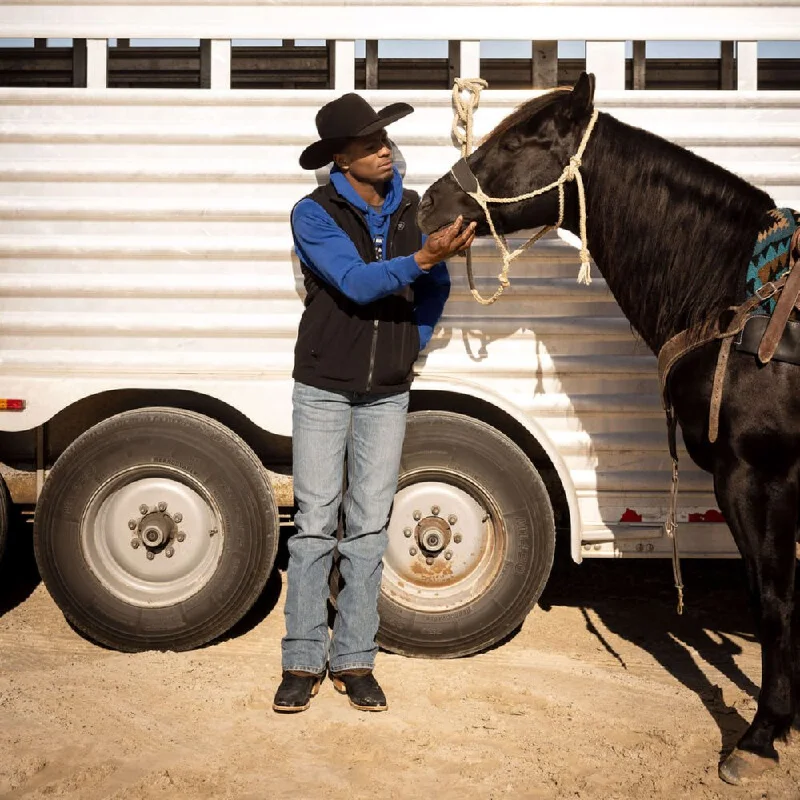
<point x="749" y="20"/>
<point x="144" y="241"/>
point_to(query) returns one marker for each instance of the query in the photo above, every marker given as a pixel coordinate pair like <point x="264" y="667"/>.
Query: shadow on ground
<point x="19" y="575"/>
<point x="637" y="601"/>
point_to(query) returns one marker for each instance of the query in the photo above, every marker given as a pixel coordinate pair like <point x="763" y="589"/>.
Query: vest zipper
<point x="375" y="323"/>
<point x="372" y="354"/>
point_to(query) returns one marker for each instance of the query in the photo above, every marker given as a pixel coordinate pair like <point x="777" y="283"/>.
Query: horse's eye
<point x="512" y="143"/>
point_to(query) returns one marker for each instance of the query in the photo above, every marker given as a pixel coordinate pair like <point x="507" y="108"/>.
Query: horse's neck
<point x="670" y="231"/>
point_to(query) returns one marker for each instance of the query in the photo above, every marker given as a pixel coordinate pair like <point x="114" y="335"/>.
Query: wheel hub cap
<point x="140" y="547"/>
<point x="157" y="529"/>
<point x="433" y="535"/>
<point x="458" y="543"/>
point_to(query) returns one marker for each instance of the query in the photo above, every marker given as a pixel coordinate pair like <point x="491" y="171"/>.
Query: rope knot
<point x="572" y="169"/>
<point x="464" y="108"/>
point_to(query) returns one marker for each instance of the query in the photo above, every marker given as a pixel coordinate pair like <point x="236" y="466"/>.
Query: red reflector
<point x="12" y="405"/>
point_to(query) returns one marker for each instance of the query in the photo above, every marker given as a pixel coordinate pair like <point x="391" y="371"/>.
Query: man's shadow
<point x="636" y="601"/>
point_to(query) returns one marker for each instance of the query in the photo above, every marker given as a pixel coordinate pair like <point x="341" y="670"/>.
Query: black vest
<point x="342" y="345"/>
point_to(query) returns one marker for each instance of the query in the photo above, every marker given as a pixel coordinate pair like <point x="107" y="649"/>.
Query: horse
<point x="671" y="233"/>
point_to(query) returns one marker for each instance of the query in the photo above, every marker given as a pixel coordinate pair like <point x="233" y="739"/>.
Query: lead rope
<point x="464" y="109"/>
<point x="462" y="132"/>
<point x="671" y="522"/>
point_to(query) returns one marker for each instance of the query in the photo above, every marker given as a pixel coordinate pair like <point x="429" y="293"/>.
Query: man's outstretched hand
<point x="444" y="243"/>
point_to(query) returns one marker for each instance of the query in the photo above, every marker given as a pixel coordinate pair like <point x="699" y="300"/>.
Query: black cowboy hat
<point x="346" y="118"/>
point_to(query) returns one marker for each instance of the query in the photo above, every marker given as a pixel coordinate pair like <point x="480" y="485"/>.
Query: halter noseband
<point x="466" y="179"/>
<point x="464" y="176"/>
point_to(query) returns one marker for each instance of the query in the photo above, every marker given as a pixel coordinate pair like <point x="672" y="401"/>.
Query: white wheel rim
<point x="451" y="556"/>
<point x="187" y="536"/>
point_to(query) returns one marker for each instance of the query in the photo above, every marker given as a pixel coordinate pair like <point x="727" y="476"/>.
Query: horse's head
<point x="527" y="151"/>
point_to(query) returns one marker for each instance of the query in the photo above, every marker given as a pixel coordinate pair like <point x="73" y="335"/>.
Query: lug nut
<point x="418" y="515"/>
<point x="143" y="509"/>
<point x="412" y="551"/>
<point x="135" y="544"/>
<point x="407" y="533"/>
<point x="132" y="524"/>
<point x="178" y="517"/>
<point x="169" y="552"/>
<point x="162" y="506"/>
<point x="435" y="510"/>
<point x="429" y="561"/>
<point x="457" y="538"/>
<point x="452" y="519"/>
<point x="181" y="536"/>
<point x="448" y="555"/>
<point x="150" y="555"/>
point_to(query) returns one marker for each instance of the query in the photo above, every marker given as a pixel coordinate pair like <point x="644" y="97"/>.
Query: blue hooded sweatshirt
<point x="325" y="248"/>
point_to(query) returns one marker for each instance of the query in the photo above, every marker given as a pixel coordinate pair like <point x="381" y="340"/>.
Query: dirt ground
<point x="603" y="693"/>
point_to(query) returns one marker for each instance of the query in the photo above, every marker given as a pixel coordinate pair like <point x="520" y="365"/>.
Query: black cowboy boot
<point x="361" y="687"/>
<point x="295" y="691"/>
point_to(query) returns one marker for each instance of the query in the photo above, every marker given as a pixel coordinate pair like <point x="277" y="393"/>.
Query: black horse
<point x="672" y="234"/>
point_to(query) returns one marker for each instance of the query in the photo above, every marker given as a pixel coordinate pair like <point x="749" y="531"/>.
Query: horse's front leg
<point x="796" y="639"/>
<point x="761" y="508"/>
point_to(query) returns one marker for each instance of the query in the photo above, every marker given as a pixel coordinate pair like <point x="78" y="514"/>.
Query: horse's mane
<point x="671" y="231"/>
<point x="525" y="112"/>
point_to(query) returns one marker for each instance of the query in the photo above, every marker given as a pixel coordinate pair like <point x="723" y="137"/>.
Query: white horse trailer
<point x="149" y="302"/>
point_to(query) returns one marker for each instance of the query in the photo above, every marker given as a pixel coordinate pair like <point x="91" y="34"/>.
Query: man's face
<point x="368" y="158"/>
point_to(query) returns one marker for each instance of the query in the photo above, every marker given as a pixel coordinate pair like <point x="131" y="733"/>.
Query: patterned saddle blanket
<point x="769" y="262"/>
<point x="770" y="258"/>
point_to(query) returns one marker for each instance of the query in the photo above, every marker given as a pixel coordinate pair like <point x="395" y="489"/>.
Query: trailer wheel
<point x="156" y="529"/>
<point x="471" y="539"/>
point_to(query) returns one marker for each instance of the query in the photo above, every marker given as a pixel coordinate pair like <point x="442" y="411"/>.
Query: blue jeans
<point x="370" y="429"/>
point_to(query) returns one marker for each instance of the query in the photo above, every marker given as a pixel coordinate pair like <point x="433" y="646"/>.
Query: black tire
<point x="5" y="516"/>
<point x="192" y="451"/>
<point x="454" y="449"/>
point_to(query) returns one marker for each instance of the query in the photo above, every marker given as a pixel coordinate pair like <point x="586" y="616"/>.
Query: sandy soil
<point x="603" y="693"/>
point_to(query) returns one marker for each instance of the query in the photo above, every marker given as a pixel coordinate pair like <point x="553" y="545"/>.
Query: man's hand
<point x="444" y="243"/>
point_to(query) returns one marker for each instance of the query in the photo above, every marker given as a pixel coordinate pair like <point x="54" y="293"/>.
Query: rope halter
<point x="469" y="184"/>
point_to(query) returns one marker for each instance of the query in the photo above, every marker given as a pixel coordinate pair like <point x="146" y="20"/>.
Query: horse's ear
<point x="581" y="98"/>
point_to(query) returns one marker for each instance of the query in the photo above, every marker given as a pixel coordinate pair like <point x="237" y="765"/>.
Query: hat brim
<point x="320" y="153"/>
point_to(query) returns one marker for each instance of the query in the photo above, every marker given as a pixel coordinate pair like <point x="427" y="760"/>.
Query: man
<point x="374" y="292"/>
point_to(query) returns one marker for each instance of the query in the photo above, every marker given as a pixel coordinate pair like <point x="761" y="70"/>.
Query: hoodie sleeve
<point x="324" y="247"/>
<point x="431" y="291"/>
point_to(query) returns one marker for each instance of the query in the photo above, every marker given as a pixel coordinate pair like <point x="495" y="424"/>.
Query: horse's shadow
<point x="636" y="601"/>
